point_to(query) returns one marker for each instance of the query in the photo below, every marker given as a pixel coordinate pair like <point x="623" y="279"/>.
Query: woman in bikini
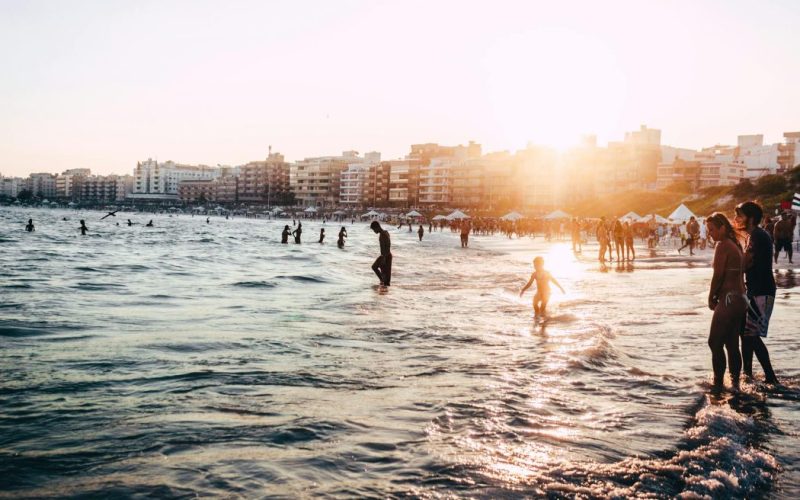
<point x="727" y="299"/>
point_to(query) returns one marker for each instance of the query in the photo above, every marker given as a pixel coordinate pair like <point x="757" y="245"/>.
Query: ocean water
<point x="195" y="359"/>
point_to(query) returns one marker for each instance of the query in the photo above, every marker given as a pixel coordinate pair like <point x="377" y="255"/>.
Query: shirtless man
<point x="383" y="264"/>
<point x="543" y="279"/>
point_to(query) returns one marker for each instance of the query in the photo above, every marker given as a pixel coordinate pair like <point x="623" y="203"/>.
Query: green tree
<point x="25" y="196"/>
<point x="744" y="188"/>
<point x="771" y="185"/>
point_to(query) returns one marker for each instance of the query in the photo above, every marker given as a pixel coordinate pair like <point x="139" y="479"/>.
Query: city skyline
<point x="102" y="86"/>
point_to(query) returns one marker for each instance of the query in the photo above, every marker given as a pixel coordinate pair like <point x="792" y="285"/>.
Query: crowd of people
<point x="742" y="291"/>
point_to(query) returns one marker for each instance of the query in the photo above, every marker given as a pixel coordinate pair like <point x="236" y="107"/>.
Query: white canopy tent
<point x="457" y="214"/>
<point x="681" y="214"/>
<point x="277" y="210"/>
<point x="339" y="212"/>
<point x="413" y="213"/>
<point x="631" y="215"/>
<point x="558" y="214"/>
<point x="310" y="210"/>
<point x="439" y="217"/>
<point x="659" y="219"/>
<point x="512" y="216"/>
<point x="371" y="213"/>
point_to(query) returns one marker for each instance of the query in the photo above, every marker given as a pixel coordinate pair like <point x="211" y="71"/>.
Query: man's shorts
<point x="758" y="313"/>
<point x="783" y="244"/>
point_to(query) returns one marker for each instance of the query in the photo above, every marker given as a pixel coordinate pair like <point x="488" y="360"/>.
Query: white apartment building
<point x="43" y="185"/>
<point x="68" y="183"/>
<point x="154" y="178"/>
<point x="352" y="184"/>
<point x="435" y="186"/>
<point x="758" y="158"/>
<point x="11" y="186"/>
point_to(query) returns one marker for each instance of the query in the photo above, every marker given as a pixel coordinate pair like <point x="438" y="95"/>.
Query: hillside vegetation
<point x="769" y="190"/>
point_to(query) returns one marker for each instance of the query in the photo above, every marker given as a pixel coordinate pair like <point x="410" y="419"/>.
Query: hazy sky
<point x="103" y="84"/>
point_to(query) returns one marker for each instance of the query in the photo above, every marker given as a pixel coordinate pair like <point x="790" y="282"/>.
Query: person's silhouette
<point x="30" y="227"/>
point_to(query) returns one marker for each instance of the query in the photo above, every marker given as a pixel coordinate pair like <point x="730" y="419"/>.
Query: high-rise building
<point x="100" y="188"/>
<point x="316" y="182"/>
<point x="403" y="182"/>
<point x="264" y="181"/>
<point x="154" y="178"/>
<point x="68" y="184"/>
<point x="197" y="191"/>
<point x="43" y="185"/>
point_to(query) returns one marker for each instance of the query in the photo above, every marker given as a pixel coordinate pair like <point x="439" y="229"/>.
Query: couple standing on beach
<point x="741" y="295"/>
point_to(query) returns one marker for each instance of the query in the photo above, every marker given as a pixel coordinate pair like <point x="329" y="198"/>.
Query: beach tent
<point x="682" y="213"/>
<point x="513" y="216"/>
<point x="457" y="214"/>
<point x="631" y="215"/>
<point x="439" y="217"/>
<point x="659" y="219"/>
<point x="70" y="204"/>
<point x="558" y="214"/>
<point x="413" y="213"/>
<point x="277" y="210"/>
<point x="339" y="212"/>
<point x="310" y="210"/>
<point x="371" y="213"/>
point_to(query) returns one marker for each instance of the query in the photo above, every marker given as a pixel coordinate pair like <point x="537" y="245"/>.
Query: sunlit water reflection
<point x="209" y="359"/>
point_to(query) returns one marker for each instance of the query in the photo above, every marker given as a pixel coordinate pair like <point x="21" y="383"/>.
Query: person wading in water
<point x="727" y="299"/>
<point x="761" y="288"/>
<point x="383" y="264"/>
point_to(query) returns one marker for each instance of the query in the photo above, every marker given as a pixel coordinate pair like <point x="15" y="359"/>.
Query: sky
<point x="103" y="84"/>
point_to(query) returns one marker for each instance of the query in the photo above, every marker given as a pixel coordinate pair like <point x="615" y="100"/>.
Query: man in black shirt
<point x="760" y="284"/>
<point x="383" y="264"/>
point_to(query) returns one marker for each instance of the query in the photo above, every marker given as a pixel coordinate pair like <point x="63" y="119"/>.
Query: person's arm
<point x="528" y="284"/>
<point x="557" y="284"/>
<point x="720" y="261"/>
<point x="747" y="260"/>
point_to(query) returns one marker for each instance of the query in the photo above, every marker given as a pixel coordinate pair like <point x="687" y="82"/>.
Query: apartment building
<point x="403" y="182"/>
<point x="154" y="178"/>
<point x="43" y="185"/>
<point x="316" y="182"/>
<point x="264" y="181"/>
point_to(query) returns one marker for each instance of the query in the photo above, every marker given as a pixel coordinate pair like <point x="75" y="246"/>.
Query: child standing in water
<point x="543" y="279"/>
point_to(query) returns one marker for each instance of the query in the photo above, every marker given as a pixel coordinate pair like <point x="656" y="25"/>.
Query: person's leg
<point x="747" y="355"/>
<point x="376" y="266"/>
<point x="716" y="342"/>
<point x="734" y="357"/>
<point x="386" y="269"/>
<point x="763" y="358"/>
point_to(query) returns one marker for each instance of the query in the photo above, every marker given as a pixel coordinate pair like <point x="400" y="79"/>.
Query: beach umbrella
<point x="276" y="210"/>
<point x="413" y="213"/>
<point x="512" y="216"/>
<point x="310" y="210"/>
<point x="339" y="212"/>
<point x="439" y="217"/>
<point x="457" y="214"/>
<point x="371" y="213"/>
<point x="682" y="213"/>
<point x="70" y="204"/>
<point x="558" y="214"/>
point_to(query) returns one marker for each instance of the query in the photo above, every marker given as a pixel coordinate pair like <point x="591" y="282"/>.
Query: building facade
<point x="264" y="182"/>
